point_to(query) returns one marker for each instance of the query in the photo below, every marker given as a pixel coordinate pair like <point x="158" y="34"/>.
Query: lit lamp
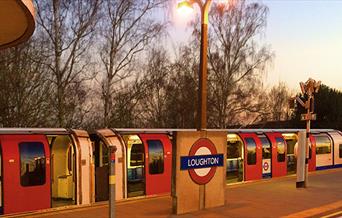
<point x="185" y="6"/>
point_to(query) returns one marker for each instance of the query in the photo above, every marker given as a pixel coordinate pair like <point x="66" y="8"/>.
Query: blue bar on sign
<point x="201" y="161"/>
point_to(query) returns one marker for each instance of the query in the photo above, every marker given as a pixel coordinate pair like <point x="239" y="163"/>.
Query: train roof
<point x="132" y="131"/>
<point x="52" y="131"/>
<point x="270" y="130"/>
<point x="61" y="131"/>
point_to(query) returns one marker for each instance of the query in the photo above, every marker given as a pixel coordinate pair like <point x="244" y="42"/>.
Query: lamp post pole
<point x="203" y="75"/>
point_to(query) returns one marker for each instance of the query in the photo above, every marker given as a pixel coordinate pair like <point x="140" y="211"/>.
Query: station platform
<point x="277" y="197"/>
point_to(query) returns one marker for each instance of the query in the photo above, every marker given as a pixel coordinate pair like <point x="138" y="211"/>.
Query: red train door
<point x="158" y="163"/>
<point x="26" y="172"/>
<point x="252" y="156"/>
<point x="279" y="163"/>
<point x="1" y="184"/>
<point x="312" y="153"/>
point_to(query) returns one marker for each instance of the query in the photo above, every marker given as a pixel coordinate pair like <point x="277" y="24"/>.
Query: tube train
<point x="44" y="168"/>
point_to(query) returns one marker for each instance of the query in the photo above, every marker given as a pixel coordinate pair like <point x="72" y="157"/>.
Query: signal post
<point x="308" y="89"/>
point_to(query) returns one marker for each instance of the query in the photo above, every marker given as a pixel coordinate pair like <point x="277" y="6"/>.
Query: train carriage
<point x="143" y="161"/>
<point x="44" y="168"/>
<point x="336" y="137"/>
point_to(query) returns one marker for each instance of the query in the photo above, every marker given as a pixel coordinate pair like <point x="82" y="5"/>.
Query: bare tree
<point x="278" y="102"/>
<point x="67" y="28"/>
<point x="24" y="87"/>
<point x="156" y="79"/>
<point x="236" y="62"/>
<point x="126" y="28"/>
<point x="170" y="89"/>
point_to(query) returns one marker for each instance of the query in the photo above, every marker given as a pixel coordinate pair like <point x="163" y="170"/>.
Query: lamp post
<point x="203" y="76"/>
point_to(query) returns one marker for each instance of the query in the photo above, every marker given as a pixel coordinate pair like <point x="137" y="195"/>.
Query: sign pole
<point x="112" y="150"/>
<point x="307" y="149"/>
<point x="308" y="88"/>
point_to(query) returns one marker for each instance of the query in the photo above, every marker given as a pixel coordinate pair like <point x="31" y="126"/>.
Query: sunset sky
<point x="305" y="35"/>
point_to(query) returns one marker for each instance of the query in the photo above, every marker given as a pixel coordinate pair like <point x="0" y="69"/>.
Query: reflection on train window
<point x="155" y="156"/>
<point x="137" y="155"/>
<point x="280" y="149"/>
<point x="323" y="145"/>
<point x="266" y="148"/>
<point x="234" y="149"/>
<point x="340" y="151"/>
<point x="69" y="158"/>
<point x="104" y="154"/>
<point x="290" y="145"/>
<point x="310" y="150"/>
<point x="32" y="163"/>
<point x="251" y="151"/>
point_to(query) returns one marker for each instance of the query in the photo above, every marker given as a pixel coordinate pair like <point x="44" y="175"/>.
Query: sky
<point x="305" y="36"/>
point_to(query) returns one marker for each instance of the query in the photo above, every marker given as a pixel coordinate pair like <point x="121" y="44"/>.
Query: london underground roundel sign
<point x="202" y="161"/>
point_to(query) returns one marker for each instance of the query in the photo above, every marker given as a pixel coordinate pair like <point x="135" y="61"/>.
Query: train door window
<point x="323" y="145"/>
<point x="251" y="151"/>
<point x="137" y="155"/>
<point x="280" y="149"/>
<point x="291" y="141"/>
<point x="340" y="151"/>
<point x="70" y="159"/>
<point x="155" y="156"/>
<point x="310" y="150"/>
<point x="266" y="148"/>
<point x="32" y="163"/>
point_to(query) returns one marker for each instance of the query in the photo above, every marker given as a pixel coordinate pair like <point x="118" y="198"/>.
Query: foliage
<point x="328" y="107"/>
<point x="237" y="63"/>
<point x="24" y="87"/>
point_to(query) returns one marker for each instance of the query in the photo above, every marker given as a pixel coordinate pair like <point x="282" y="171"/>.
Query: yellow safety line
<point x="316" y="211"/>
<point x="333" y="214"/>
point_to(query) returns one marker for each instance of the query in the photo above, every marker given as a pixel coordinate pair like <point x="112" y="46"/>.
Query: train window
<point x="290" y="145"/>
<point x="266" y="148"/>
<point x="280" y="149"/>
<point x="291" y="140"/>
<point x="234" y="149"/>
<point x="104" y="154"/>
<point x="137" y="155"/>
<point x="69" y="159"/>
<point x="323" y="145"/>
<point x="32" y="163"/>
<point x="251" y="151"/>
<point x="155" y="156"/>
<point x="340" y="150"/>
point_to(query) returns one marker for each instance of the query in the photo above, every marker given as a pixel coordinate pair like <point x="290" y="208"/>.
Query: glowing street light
<point x="184" y="7"/>
<point x="203" y="77"/>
